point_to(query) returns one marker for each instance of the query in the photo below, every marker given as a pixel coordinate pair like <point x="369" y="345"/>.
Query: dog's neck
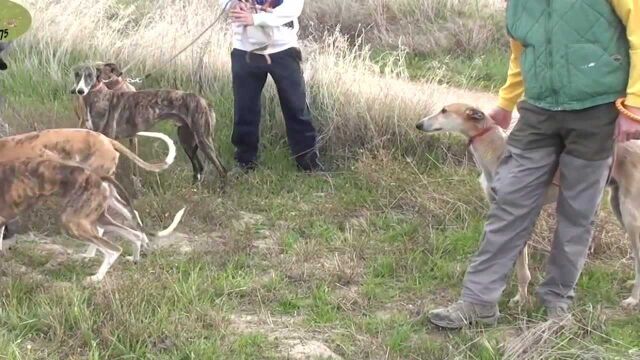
<point x="115" y="83"/>
<point x="99" y="86"/>
<point x="487" y="146"/>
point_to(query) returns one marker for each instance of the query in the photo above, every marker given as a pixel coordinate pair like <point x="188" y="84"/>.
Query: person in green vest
<point x="571" y="59"/>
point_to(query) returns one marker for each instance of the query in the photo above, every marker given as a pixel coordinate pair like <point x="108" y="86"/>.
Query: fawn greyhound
<point x="86" y="197"/>
<point x="121" y="115"/>
<point x="487" y="142"/>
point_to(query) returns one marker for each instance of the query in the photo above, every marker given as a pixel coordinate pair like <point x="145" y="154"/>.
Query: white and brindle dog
<point x="87" y="148"/>
<point x="487" y="142"/>
<point x="120" y="115"/>
<point x="86" y="196"/>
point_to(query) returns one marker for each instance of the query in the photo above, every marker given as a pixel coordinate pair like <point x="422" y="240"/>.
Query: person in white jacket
<point x="269" y="27"/>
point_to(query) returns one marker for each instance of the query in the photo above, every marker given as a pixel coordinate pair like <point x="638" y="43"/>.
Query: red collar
<point x="119" y="83"/>
<point x="481" y="133"/>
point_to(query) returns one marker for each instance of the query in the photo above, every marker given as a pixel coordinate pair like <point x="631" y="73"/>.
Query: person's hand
<point x="240" y="5"/>
<point x="627" y="128"/>
<point x="241" y="17"/>
<point x="501" y="117"/>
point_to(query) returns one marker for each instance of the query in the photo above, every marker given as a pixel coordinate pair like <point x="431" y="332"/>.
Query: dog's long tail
<point x="127" y="202"/>
<point x="171" y="156"/>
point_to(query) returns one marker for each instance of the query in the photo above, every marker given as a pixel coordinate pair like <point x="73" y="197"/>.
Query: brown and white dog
<point x="111" y="76"/>
<point x="88" y="148"/>
<point x="86" y="197"/>
<point x="487" y="142"/>
<point x="120" y="115"/>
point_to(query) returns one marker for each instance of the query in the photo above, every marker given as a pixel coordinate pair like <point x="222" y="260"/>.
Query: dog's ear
<point x="475" y="114"/>
<point x="98" y="73"/>
<point x="115" y="70"/>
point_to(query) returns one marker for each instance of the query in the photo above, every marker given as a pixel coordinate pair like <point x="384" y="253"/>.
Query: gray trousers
<point x="580" y="145"/>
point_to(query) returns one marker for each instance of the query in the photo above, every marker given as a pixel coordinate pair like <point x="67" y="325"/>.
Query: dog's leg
<point x="83" y="230"/>
<point x="136" y="237"/>
<point x="135" y="170"/>
<point x="634" y="299"/>
<point x="210" y="152"/>
<point x="91" y="250"/>
<point x="524" y="276"/>
<point x="131" y="235"/>
<point x="1" y="236"/>
<point x="190" y="146"/>
<point x="110" y="257"/>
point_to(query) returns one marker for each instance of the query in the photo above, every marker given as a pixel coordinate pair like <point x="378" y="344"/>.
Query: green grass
<point x="351" y="258"/>
<point x="487" y="71"/>
<point x="340" y="265"/>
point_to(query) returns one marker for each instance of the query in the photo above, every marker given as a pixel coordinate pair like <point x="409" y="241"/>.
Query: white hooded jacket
<point x="276" y="30"/>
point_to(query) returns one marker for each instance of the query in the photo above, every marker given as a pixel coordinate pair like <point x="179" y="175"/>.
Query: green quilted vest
<point x="575" y="52"/>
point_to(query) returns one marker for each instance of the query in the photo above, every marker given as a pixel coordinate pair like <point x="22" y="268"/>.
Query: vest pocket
<point x="592" y="72"/>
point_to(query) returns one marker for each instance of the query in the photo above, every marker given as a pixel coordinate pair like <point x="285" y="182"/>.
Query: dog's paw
<point x="517" y="302"/>
<point x="92" y="280"/>
<point x="82" y="257"/>
<point x="630" y="303"/>
<point x="132" y="259"/>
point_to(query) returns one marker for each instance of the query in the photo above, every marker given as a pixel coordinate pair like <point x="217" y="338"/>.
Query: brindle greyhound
<point x="488" y="141"/>
<point x="87" y="197"/>
<point x="111" y="76"/>
<point x="121" y="115"/>
<point x="90" y="149"/>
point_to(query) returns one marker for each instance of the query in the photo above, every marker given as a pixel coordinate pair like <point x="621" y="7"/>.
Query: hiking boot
<point x="558" y="311"/>
<point x="309" y="162"/>
<point x="242" y="169"/>
<point x="461" y="314"/>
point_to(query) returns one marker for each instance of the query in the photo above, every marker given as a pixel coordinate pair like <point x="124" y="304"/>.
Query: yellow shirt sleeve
<point x="513" y="89"/>
<point x="629" y="13"/>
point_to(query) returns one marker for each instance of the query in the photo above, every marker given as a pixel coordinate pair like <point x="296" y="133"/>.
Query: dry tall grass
<point x="354" y="103"/>
<point x="421" y="26"/>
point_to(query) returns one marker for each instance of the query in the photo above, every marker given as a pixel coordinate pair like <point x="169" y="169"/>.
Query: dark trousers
<point x="249" y="77"/>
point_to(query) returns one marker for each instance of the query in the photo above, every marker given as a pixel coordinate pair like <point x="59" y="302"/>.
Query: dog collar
<point x="119" y="84"/>
<point x="481" y="133"/>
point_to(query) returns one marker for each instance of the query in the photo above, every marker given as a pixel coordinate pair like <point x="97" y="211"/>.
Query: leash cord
<point x="217" y="19"/>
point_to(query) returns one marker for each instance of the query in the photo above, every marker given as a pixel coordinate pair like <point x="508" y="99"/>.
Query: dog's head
<point x="85" y="77"/>
<point x="461" y="118"/>
<point x="109" y="72"/>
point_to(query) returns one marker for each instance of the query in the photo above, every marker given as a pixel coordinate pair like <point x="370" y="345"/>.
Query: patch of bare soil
<point x="293" y="342"/>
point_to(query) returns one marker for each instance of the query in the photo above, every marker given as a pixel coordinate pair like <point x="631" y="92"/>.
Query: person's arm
<point x="513" y="89"/>
<point x="288" y="11"/>
<point x="629" y="13"/>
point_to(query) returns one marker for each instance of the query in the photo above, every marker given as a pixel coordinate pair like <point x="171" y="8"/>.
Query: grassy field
<point x="279" y="264"/>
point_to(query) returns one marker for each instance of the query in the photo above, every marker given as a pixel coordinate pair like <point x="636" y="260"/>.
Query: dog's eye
<point x="444" y="110"/>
